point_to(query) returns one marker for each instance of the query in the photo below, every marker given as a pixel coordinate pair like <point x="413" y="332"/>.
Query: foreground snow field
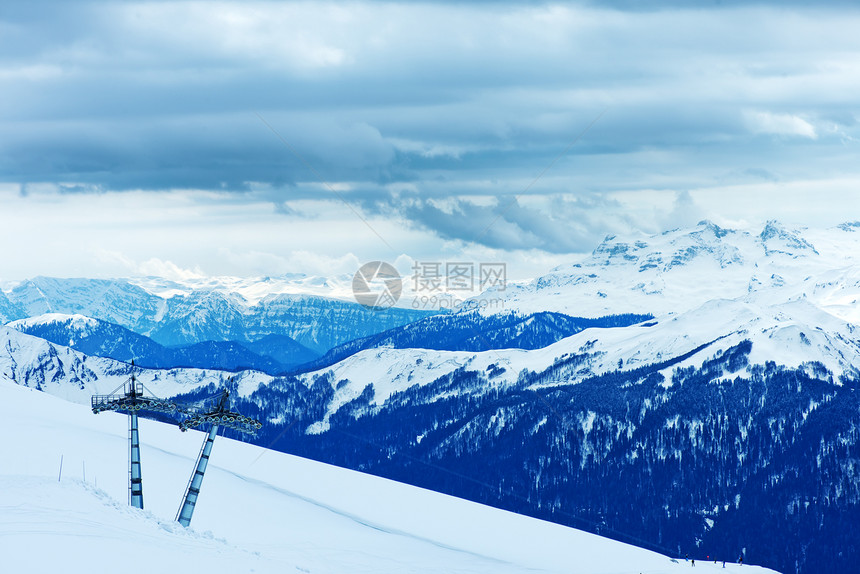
<point x="259" y="511"/>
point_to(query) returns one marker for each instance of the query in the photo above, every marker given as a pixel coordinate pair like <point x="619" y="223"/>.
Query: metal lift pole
<point x="134" y="476"/>
<point x="130" y="398"/>
<point x="193" y="489"/>
<point x="217" y="416"/>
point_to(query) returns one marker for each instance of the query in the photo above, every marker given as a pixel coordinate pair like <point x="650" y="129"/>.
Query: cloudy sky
<point x="244" y="138"/>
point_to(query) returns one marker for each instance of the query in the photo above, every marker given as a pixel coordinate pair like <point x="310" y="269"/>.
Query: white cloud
<point x="275" y="35"/>
<point x="815" y="203"/>
<point x="685" y="212"/>
<point x="168" y="270"/>
<point x="30" y="73"/>
<point x="780" y="124"/>
<point x="255" y="262"/>
<point x="431" y="149"/>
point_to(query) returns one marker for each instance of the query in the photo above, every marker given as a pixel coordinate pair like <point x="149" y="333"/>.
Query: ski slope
<point x="259" y="511"/>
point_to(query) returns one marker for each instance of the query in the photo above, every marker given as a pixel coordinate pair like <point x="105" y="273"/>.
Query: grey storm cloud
<point x="449" y="99"/>
<point x="571" y="225"/>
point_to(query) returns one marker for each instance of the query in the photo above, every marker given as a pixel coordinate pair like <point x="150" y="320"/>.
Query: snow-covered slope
<point x="76" y="322"/>
<point x="259" y="511"/>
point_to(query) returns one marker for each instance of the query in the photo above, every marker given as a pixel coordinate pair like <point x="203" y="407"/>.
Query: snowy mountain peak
<point x="612" y="252"/>
<point x="709" y="226"/>
<point x="681" y="269"/>
<point x="708" y="240"/>
<point x="670" y="249"/>
<point x="777" y="239"/>
<point x="850" y="226"/>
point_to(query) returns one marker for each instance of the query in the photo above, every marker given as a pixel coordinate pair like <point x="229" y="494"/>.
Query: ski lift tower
<point x="132" y="397"/>
<point x="217" y="416"/>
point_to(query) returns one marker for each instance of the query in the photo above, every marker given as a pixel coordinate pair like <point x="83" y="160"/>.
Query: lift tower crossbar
<point x="217" y="416"/>
<point x="132" y="397"/>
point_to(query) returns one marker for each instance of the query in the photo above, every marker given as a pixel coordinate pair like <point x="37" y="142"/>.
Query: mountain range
<point x="314" y="322"/>
<point x="272" y="354"/>
<point x="691" y="392"/>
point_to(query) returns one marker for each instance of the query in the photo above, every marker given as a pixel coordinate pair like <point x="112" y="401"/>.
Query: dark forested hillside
<point x="721" y="460"/>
